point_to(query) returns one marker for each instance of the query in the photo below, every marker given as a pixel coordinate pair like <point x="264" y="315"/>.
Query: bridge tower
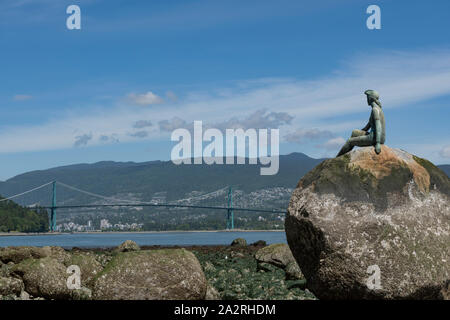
<point x="230" y="211"/>
<point x="53" y="209"/>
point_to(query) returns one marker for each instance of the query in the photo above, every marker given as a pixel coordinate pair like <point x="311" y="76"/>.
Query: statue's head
<point x="372" y="96"/>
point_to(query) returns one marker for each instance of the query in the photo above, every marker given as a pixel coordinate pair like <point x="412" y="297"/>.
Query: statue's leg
<point x="358" y="133"/>
<point x="362" y="141"/>
<point x="347" y="147"/>
<point x="358" y="141"/>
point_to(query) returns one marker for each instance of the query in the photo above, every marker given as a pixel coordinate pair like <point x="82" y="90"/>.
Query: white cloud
<point x="259" y="119"/>
<point x="170" y="125"/>
<point x="145" y="99"/>
<point x="142" y="124"/>
<point x="171" y="96"/>
<point x="333" y="144"/>
<point x="22" y="97"/>
<point x="401" y="78"/>
<point x="107" y="139"/>
<point x="445" y="152"/>
<point x="139" y="134"/>
<point x="306" y="135"/>
<point x="82" y="140"/>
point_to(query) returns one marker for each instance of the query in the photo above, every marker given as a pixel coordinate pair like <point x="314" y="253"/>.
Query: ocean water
<point x="107" y="240"/>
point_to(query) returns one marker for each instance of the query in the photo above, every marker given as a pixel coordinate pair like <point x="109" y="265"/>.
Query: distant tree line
<point x="14" y="217"/>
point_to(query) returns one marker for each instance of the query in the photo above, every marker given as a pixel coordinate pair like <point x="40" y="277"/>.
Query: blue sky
<point x="137" y="69"/>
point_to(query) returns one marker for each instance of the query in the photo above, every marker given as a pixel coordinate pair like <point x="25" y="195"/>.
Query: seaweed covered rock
<point x="240" y="242"/>
<point x="128" y="246"/>
<point x="19" y="254"/>
<point x="278" y="254"/>
<point x="10" y="286"/>
<point x="364" y="225"/>
<point x="259" y="243"/>
<point x="166" y="274"/>
<point x="45" y="277"/>
<point x="293" y="271"/>
<point x="212" y="293"/>
<point x="89" y="267"/>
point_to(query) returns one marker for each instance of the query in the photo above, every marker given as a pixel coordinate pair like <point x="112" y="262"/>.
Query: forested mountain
<point x="14" y="217"/>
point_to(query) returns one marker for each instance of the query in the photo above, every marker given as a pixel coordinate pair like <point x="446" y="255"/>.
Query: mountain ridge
<point x="147" y="178"/>
<point x="111" y="163"/>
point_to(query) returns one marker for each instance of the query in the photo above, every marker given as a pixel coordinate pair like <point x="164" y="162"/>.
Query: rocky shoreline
<point x="235" y="272"/>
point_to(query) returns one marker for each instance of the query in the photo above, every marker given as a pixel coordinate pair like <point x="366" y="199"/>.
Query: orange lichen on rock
<point x="381" y="165"/>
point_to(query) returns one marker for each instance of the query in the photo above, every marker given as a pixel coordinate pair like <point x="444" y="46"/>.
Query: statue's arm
<point x="378" y="128"/>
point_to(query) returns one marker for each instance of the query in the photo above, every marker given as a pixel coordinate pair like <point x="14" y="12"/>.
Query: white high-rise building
<point x="104" y="224"/>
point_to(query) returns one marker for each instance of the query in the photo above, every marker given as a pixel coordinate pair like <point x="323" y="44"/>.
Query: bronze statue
<point x="377" y="135"/>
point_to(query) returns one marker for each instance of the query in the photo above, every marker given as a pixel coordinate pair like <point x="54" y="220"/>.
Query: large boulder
<point x="361" y="215"/>
<point x="45" y="277"/>
<point x="151" y="275"/>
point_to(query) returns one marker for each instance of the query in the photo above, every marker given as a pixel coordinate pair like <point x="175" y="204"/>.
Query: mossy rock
<point x="21" y="253"/>
<point x="128" y="246"/>
<point x="438" y="178"/>
<point x="88" y="264"/>
<point x="18" y="254"/>
<point x="266" y="267"/>
<point x="278" y="254"/>
<point x="45" y="277"/>
<point x="212" y="293"/>
<point x="10" y="286"/>
<point x="293" y="271"/>
<point x="240" y="242"/>
<point x="163" y="274"/>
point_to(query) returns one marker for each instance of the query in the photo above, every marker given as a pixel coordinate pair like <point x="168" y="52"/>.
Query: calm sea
<point x="106" y="240"/>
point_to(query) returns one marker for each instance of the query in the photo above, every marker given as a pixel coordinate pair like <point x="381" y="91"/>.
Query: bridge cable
<point x="133" y="201"/>
<point x="23" y="193"/>
<point x="93" y="194"/>
<point x="202" y="195"/>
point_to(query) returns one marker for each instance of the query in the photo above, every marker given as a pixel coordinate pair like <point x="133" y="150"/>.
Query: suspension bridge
<point x="229" y="208"/>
